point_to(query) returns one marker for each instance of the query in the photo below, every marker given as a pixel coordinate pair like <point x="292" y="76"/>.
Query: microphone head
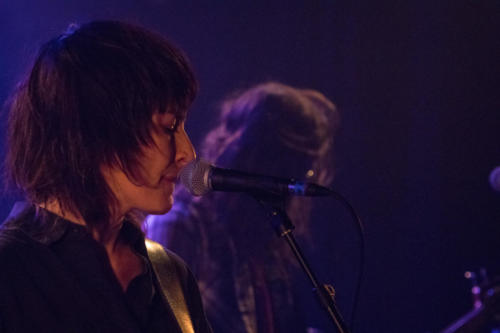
<point x="194" y="177"/>
<point x="495" y="179"/>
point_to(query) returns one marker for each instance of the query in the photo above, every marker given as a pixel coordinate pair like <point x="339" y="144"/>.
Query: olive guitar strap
<point x="168" y="277"/>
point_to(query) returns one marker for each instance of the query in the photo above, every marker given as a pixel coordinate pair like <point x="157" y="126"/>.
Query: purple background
<point x="417" y="85"/>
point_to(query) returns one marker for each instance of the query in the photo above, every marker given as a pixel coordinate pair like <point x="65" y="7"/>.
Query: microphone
<point x="200" y="177"/>
<point x="495" y="179"/>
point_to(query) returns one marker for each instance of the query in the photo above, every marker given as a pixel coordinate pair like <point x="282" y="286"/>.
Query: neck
<point x="109" y="240"/>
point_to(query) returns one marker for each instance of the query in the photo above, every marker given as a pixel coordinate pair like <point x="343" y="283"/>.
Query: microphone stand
<point x="284" y="227"/>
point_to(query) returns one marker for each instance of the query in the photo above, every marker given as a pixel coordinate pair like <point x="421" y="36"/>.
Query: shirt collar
<point x="47" y="228"/>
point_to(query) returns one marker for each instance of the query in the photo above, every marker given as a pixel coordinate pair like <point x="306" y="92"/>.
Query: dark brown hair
<point x="277" y="130"/>
<point x="271" y="120"/>
<point x="88" y="101"/>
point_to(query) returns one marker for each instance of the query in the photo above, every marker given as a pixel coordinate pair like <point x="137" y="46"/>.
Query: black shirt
<point x="54" y="277"/>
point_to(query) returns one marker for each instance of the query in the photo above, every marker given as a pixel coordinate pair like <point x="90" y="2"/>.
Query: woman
<point x="247" y="275"/>
<point x="95" y="140"/>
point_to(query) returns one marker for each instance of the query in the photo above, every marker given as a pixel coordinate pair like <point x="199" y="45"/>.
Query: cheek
<point x="163" y="151"/>
<point x="155" y="162"/>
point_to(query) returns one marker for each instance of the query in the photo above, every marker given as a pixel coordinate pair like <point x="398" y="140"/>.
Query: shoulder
<point x="12" y="247"/>
<point x="169" y="266"/>
<point x="21" y="259"/>
<point x="14" y="241"/>
<point x="23" y="242"/>
<point x="170" y="270"/>
<point x="18" y="231"/>
<point x="159" y="255"/>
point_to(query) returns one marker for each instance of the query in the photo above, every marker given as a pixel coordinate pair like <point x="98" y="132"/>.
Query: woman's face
<point x="159" y="165"/>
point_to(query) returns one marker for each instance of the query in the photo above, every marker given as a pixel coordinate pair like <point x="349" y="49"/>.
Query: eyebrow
<point x="178" y="111"/>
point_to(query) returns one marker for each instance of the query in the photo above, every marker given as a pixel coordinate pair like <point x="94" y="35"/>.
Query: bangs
<point x="87" y="102"/>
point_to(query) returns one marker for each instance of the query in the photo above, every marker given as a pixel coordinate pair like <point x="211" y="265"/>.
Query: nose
<point x="184" y="150"/>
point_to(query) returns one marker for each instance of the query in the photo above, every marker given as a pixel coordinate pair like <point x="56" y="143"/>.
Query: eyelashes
<point x="173" y="127"/>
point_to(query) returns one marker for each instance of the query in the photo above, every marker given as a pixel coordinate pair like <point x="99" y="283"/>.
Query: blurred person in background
<point x="247" y="275"/>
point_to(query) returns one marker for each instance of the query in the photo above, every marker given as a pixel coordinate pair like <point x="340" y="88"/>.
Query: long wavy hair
<point x="86" y="102"/>
<point x="271" y="129"/>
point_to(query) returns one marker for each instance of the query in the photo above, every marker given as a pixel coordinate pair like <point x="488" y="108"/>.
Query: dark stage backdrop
<point x="417" y="84"/>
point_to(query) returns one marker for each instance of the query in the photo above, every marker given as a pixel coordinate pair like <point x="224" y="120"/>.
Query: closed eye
<point x="173" y="127"/>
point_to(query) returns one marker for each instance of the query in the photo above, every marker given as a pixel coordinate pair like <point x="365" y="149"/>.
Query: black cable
<point x="360" y="229"/>
<point x="275" y="199"/>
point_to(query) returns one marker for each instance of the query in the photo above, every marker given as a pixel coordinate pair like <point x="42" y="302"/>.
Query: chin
<point x="162" y="207"/>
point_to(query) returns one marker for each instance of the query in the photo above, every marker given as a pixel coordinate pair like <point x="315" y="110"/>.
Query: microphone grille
<point x="495" y="179"/>
<point x="194" y="177"/>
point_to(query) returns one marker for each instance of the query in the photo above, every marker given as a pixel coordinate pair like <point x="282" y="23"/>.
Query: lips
<point x="170" y="178"/>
